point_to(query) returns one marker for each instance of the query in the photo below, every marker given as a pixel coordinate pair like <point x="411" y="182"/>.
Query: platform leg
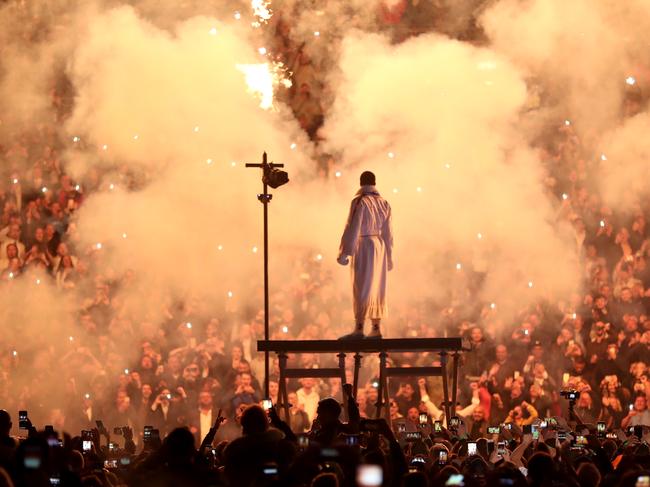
<point x="445" y="385"/>
<point x="383" y="385"/>
<point x="357" y="367"/>
<point x="341" y="357"/>
<point x="282" y="393"/>
<point x="454" y="383"/>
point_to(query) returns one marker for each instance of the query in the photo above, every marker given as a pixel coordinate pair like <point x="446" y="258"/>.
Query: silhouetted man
<point x="368" y="239"/>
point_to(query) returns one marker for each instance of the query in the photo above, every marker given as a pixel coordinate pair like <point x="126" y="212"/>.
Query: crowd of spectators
<point x="198" y="368"/>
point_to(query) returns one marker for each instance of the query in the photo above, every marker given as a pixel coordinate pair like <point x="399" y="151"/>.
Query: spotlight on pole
<point x="273" y="177"/>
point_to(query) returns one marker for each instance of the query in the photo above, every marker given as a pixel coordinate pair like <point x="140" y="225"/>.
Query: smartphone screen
<point x="267" y="404"/>
<point x="370" y="476"/>
<point x="442" y="457"/>
<point x="437" y="426"/>
<point x="501" y="448"/>
<point x="534" y="431"/>
<point x="86" y="445"/>
<point x="471" y="448"/>
<point x="454" y="421"/>
<point x="22" y="420"/>
<point x="424" y="418"/>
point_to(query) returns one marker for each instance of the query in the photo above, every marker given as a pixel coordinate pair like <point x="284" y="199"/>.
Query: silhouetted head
<point x="254" y="420"/>
<point x="179" y="446"/>
<point x="328" y="411"/>
<point x="367" y="179"/>
<point x="5" y="423"/>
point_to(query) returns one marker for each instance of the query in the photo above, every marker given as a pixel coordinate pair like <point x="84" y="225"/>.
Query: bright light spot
<point x="196" y="129"/>
<point x="208" y="161"/>
<point x="574" y="316"/>
<point x="38" y="281"/>
<point x="261" y="80"/>
<point x="479" y="236"/>
<point x="261" y="9"/>
<point x="11" y="275"/>
<point x="447" y="166"/>
<point x="136" y="137"/>
<point x="77" y="187"/>
<point x="319" y="257"/>
<point x="87" y="396"/>
<point x="565" y="196"/>
<point x="418" y="189"/>
<point x="44" y="189"/>
<point x="486" y="65"/>
<point x="219" y="247"/>
<point x="603" y="157"/>
<point x="230" y="294"/>
<point x="630" y="80"/>
<point x="98" y="246"/>
<point x="126" y="371"/>
<point x="75" y="139"/>
<point x="14" y="353"/>
<point x="459" y="266"/>
<point x="567" y="122"/>
<point x="111" y="186"/>
<point x="213" y="31"/>
<point x="493" y="305"/>
<point x="395" y="190"/>
<point x="602" y="223"/>
<point x="188" y="325"/>
<point x="293" y="146"/>
<point x="71" y="338"/>
<point x="124" y="235"/>
<point x="285" y="329"/>
<point x="15" y="181"/>
<point x="391" y="155"/>
<point x="262" y="51"/>
<point x="105" y="147"/>
<point x="254" y="250"/>
<point x="237" y="16"/>
<point x="316" y="33"/>
<point x="530" y="283"/>
<point x="337" y="174"/>
<point x="233" y="163"/>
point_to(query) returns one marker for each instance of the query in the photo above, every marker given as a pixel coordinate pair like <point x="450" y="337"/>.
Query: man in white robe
<point x="368" y="240"/>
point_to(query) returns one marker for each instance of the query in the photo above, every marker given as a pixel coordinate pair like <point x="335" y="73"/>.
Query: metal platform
<point x="445" y="347"/>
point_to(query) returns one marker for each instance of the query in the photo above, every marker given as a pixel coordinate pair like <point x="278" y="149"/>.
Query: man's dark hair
<point x="367" y="179"/>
